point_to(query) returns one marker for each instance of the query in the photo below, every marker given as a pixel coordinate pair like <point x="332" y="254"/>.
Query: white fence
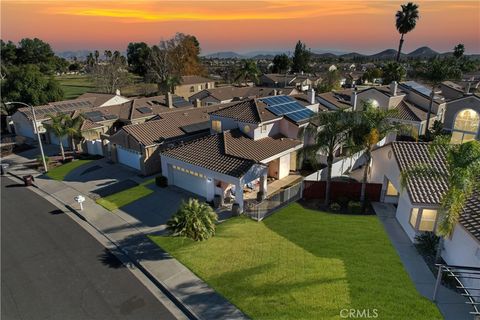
<point x="342" y="166"/>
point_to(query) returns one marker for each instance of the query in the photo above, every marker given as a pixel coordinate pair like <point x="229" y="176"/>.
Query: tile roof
<point x="209" y="153"/>
<point x="239" y="145"/>
<point x="66" y="106"/>
<point x="250" y="111"/>
<point x="186" y="80"/>
<point x="341" y="99"/>
<point x="409" y="111"/>
<point x="98" y="98"/>
<point x="470" y="217"/>
<point x="229" y="93"/>
<point x="89" y="125"/>
<point x="422" y="190"/>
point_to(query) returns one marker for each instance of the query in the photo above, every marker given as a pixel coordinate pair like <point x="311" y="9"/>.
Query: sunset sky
<point x="241" y="26"/>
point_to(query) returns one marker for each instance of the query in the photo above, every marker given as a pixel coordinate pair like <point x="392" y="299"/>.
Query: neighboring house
<point x="253" y="142"/>
<point x="302" y="82"/>
<point x="462" y="118"/>
<point x="193" y="84"/>
<point x="139" y="145"/>
<point x="213" y="96"/>
<point x="418" y="203"/>
<point x="336" y="100"/>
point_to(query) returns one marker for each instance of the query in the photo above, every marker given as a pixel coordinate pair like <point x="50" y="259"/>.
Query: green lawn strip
<point x="60" y="172"/>
<point x="304" y="264"/>
<point x="122" y="198"/>
<point x="75" y="85"/>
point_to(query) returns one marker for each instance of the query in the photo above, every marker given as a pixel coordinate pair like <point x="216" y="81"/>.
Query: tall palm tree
<point x="371" y="125"/>
<point x="330" y="131"/>
<point x="406" y="20"/>
<point x="463" y="178"/>
<point x="249" y="71"/>
<point x="72" y="128"/>
<point x="435" y="72"/>
<point x="57" y="126"/>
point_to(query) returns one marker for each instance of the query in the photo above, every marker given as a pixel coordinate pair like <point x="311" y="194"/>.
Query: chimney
<point x="311" y="96"/>
<point x="393" y="88"/>
<point x="169" y="100"/>
<point x="353" y="99"/>
<point x="197" y="103"/>
<point x="117" y="92"/>
<point x="467" y="89"/>
<point x="274" y="92"/>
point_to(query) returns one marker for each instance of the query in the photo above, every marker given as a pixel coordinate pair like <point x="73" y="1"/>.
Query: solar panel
<point x="96" y="118"/>
<point x="300" y="115"/>
<point x="144" y="110"/>
<point x="93" y="114"/>
<point x="286" y="108"/>
<point x="110" y="116"/>
<point x="196" y="127"/>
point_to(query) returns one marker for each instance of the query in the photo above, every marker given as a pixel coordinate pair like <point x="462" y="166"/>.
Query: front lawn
<point x="122" y="198"/>
<point x="60" y="172"/>
<point x="304" y="264"/>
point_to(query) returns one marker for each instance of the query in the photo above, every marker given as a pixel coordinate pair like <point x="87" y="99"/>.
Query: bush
<point x="161" y="181"/>
<point x="343" y="202"/>
<point x="193" y="220"/>
<point x="427" y="243"/>
<point x="355" y="207"/>
<point x="335" y="207"/>
<point x="40" y="161"/>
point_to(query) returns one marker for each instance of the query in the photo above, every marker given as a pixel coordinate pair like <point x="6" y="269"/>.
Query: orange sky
<point x="364" y="26"/>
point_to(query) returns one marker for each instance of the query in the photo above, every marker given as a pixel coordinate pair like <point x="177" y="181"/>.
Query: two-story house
<point x="190" y="85"/>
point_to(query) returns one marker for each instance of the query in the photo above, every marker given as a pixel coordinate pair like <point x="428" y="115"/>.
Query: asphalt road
<point x="53" y="269"/>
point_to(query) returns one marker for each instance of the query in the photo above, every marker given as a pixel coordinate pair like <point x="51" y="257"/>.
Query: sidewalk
<point x="451" y="304"/>
<point x="193" y="295"/>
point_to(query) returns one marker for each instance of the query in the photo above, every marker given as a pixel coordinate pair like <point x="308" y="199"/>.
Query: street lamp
<point x="36" y="129"/>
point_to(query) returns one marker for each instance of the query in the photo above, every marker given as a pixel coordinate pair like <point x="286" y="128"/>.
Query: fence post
<point x="438" y="282"/>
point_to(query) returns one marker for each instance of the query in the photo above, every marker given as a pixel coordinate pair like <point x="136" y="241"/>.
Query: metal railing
<point x="259" y="210"/>
<point x="461" y="276"/>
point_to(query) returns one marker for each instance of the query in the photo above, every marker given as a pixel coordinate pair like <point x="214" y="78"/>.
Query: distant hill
<point x="352" y="55"/>
<point x="79" y="54"/>
<point x="326" y="55"/>
<point x="386" y="54"/>
<point x="224" y="55"/>
<point x="423" y="52"/>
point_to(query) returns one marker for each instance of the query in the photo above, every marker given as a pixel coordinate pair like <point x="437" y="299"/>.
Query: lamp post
<point x="35" y="127"/>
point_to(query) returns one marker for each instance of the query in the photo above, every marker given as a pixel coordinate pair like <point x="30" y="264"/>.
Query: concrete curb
<point x="185" y="309"/>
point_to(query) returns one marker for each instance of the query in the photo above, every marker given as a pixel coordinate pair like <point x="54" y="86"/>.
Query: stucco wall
<point x="468" y="255"/>
<point x="454" y="107"/>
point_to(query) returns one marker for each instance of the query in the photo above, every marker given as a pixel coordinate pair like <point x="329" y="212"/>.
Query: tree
<point x="331" y="82"/>
<point x="301" y="58"/>
<point x="57" y="126"/>
<point x="458" y="50"/>
<point x="38" y="52"/>
<point x="463" y="179"/>
<point x="281" y="63"/>
<point x="406" y="20"/>
<point x="8" y="54"/>
<point x="72" y="128"/>
<point x="194" y="220"/>
<point x="111" y="74"/>
<point x="330" y="132"/>
<point x="372" y="74"/>
<point x="371" y="125"/>
<point x="248" y="71"/>
<point x="137" y="56"/>
<point x="435" y="72"/>
<point x="393" y="71"/>
<point x="27" y="84"/>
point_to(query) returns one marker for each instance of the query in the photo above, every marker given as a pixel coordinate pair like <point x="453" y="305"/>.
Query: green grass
<point x="122" y="198"/>
<point x="75" y="85"/>
<point x="60" y="172"/>
<point x="304" y="264"/>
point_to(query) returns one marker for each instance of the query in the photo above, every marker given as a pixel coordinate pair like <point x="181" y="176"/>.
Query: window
<point x="391" y="190"/>
<point x="192" y="89"/>
<point x="423" y="219"/>
<point x="246" y="129"/>
<point x="217" y="125"/>
<point x="465" y="128"/>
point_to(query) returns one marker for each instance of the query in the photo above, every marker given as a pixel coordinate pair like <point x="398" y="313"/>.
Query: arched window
<point x="466" y="126"/>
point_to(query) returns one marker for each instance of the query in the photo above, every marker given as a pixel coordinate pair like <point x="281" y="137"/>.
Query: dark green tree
<point x="248" y="71"/>
<point x="37" y="52"/>
<point x="331" y="82"/>
<point x="393" y="71"/>
<point x="301" y="58"/>
<point x="137" y="56"/>
<point x="458" y="50"/>
<point x="281" y="63"/>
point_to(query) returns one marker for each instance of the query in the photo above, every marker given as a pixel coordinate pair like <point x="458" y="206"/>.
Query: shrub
<point x="343" y="202"/>
<point x="335" y="207"/>
<point x="194" y="220"/>
<point x="40" y="161"/>
<point x="427" y="243"/>
<point x="161" y="181"/>
<point x="355" y="207"/>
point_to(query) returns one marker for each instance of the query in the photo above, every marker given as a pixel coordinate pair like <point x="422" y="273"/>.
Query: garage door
<point x="128" y="157"/>
<point x="189" y="181"/>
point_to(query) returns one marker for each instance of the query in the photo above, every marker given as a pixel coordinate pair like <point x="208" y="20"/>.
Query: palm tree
<point x="57" y="126"/>
<point x="463" y="178"/>
<point x="330" y="131"/>
<point x="435" y="72"/>
<point x="249" y="71"/>
<point x="406" y="20"/>
<point x="195" y="220"/>
<point x="72" y="128"/>
<point x="371" y="125"/>
<point x="393" y="71"/>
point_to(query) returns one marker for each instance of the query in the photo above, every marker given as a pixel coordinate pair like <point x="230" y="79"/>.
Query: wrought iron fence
<point x="259" y="210"/>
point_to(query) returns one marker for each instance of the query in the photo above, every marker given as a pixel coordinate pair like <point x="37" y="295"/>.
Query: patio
<point x="273" y="186"/>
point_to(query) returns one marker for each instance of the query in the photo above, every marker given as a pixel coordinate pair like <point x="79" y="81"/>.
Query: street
<point x="53" y="269"/>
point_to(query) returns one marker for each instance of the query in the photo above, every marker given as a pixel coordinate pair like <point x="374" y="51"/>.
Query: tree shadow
<point x="109" y="259"/>
<point x="56" y="212"/>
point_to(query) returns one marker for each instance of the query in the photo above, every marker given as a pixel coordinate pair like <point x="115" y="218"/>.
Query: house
<point x="418" y="203"/>
<point x="302" y="82"/>
<point x="231" y="93"/>
<point x="138" y="145"/>
<point x="253" y="142"/>
<point x="462" y="118"/>
<point x="336" y="100"/>
<point x="190" y="85"/>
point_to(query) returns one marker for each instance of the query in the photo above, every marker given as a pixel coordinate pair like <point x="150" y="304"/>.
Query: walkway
<point x="196" y="297"/>
<point x="451" y="304"/>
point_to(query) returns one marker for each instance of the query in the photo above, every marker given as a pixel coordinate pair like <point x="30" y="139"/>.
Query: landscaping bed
<point x="304" y="264"/>
<point x="62" y="170"/>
